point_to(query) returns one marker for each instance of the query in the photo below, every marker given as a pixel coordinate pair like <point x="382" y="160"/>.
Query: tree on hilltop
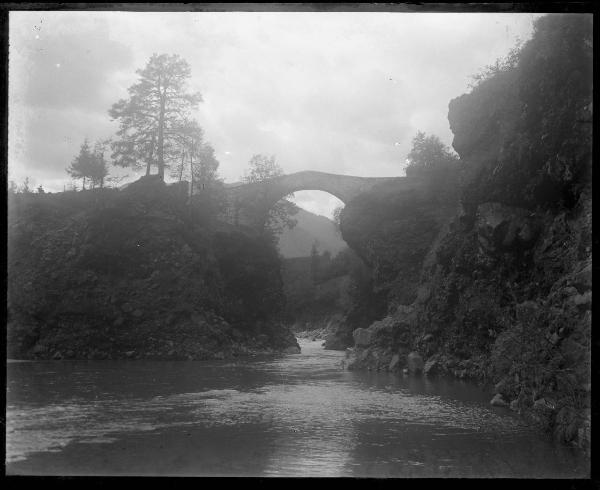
<point x="153" y="115"/>
<point x="428" y="153"/>
<point x="89" y="164"/>
<point x="196" y="158"/>
<point x="431" y="160"/>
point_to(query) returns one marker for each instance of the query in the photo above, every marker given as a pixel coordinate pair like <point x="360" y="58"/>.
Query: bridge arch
<point x="249" y="203"/>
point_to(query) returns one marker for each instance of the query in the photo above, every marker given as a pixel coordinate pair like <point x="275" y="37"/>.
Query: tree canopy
<point x="89" y="164"/>
<point x="428" y="153"/>
<point x="155" y="114"/>
<point x="261" y="169"/>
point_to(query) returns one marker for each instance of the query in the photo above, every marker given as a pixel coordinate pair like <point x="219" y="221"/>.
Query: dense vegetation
<point x="137" y="273"/>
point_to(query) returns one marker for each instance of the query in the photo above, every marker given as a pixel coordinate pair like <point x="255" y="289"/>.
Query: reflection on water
<point x="293" y="415"/>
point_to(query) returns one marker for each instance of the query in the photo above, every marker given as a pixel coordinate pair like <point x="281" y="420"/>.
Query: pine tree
<point x="150" y="120"/>
<point x="89" y="165"/>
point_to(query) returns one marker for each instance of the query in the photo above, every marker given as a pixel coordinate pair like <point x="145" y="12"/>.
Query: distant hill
<point x="298" y="241"/>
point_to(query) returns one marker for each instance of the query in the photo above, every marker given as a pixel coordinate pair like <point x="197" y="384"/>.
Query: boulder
<point x="582" y="279"/>
<point x="503" y="387"/>
<point x="362" y="337"/>
<point x="292" y="349"/>
<point x="138" y="313"/>
<point x="543" y="404"/>
<point x="129" y="353"/>
<point x="583" y="301"/>
<point x="514" y="405"/>
<point x="333" y="342"/>
<point x="501" y="226"/>
<point x="57" y="356"/>
<point x="498" y="401"/>
<point x="394" y="363"/>
<point x="415" y="362"/>
<point x="527" y="233"/>
<point x="431" y="367"/>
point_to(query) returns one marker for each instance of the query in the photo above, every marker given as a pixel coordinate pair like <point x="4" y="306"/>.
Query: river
<point x="286" y="415"/>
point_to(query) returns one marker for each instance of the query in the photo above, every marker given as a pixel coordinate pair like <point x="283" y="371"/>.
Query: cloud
<point x="337" y="92"/>
<point x="69" y="62"/>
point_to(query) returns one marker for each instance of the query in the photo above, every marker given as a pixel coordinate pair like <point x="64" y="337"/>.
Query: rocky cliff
<point x="107" y="274"/>
<point x="500" y="292"/>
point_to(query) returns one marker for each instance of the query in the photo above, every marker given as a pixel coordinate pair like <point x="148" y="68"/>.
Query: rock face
<point x="138" y="282"/>
<point x="388" y="213"/>
<point x="498" y="401"/>
<point x="362" y="337"/>
<point x="430" y="367"/>
<point x="292" y="350"/>
<point x="502" y="227"/>
<point x="394" y="363"/>
<point x="415" y="363"/>
<point x="504" y="287"/>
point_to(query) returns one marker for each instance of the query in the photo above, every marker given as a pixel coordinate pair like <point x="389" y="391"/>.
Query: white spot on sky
<point x="57" y="65"/>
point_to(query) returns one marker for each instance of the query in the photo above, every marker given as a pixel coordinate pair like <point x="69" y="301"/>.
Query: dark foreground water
<point x="292" y="415"/>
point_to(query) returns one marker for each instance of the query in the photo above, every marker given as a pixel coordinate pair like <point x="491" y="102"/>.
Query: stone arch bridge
<point x="249" y="203"/>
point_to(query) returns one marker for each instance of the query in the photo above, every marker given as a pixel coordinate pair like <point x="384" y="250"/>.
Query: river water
<point x="287" y="415"/>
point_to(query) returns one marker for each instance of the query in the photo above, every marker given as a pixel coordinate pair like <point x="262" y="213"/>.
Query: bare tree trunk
<point x="182" y="164"/>
<point x="191" y="178"/>
<point x="84" y="183"/>
<point x="149" y="165"/>
<point x="161" y="123"/>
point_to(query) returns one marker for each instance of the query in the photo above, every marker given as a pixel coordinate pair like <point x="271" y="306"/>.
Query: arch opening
<point x="321" y="203"/>
<point x="315" y="226"/>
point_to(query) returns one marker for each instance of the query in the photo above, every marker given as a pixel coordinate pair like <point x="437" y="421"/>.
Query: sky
<point x="330" y="91"/>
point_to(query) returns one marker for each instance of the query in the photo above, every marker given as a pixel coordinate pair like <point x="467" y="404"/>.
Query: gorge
<point x="479" y="272"/>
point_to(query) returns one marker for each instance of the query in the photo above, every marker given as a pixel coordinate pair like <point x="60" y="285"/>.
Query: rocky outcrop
<point x="414" y="363"/>
<point x="504" y="297"/>
<point x="375" y="220"/>
<point x="108" y="274"/>
<point x="498" y="401"/>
